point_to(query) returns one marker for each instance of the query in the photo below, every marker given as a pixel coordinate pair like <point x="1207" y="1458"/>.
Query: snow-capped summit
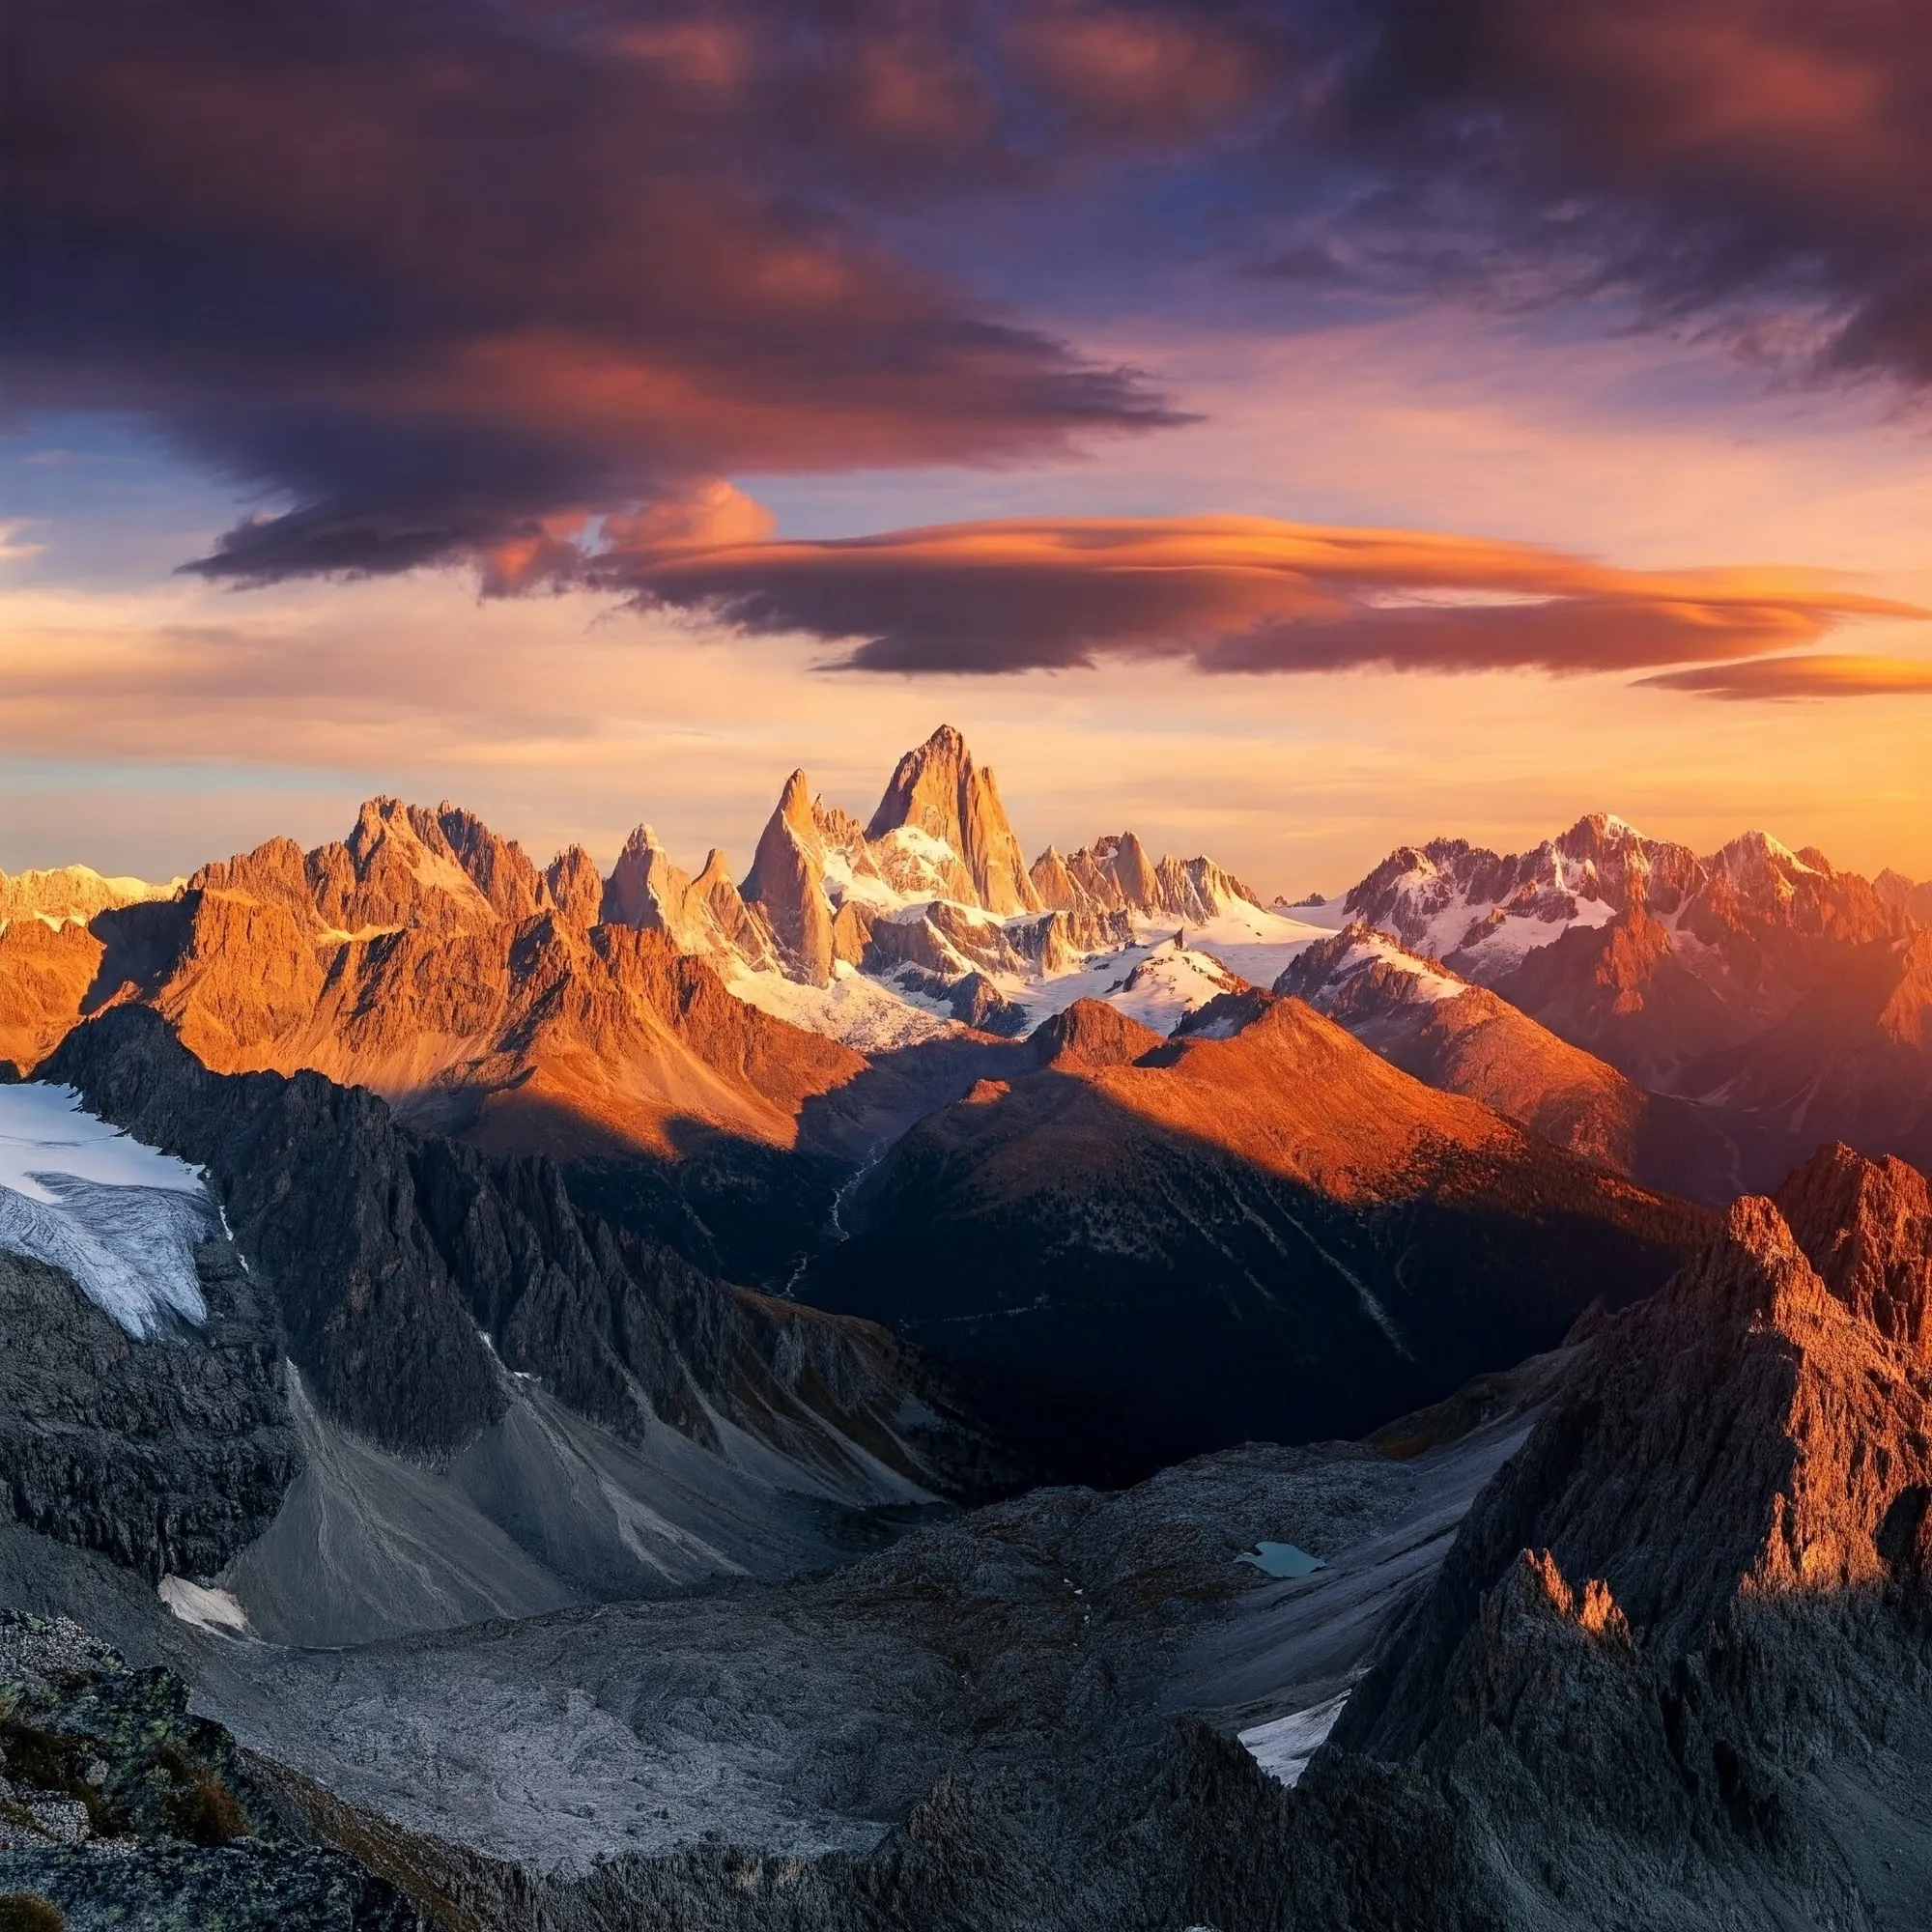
<point x="937" y="790"/>
<point x="65" y="892"/>
<point x="1635" y="948"/>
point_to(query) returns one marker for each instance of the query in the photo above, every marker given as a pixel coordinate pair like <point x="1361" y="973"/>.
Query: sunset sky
<point x="1288" y="428"/>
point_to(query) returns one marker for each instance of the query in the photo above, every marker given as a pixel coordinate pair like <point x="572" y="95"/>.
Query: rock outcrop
<point x="118" y="1807"/>
<point x="937" y="790"/>
<point x="1674" y="1669"/>
<point x="787" y="884"/>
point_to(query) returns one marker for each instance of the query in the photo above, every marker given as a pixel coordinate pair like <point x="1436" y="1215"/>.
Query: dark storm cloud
<point x="457" y="278"/>
<point x="443" y="274"/>
<point x="1757" y="167"/>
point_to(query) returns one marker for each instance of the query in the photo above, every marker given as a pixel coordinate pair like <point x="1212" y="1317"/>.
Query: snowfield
<point x="122" y="1219"/>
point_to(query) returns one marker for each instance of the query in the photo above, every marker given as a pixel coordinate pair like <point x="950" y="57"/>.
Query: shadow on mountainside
<point x="759" y="1214"/>
<point x="1120" y="1294"/>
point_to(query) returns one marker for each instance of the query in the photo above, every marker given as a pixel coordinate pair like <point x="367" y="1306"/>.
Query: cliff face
<point x="170" y="1453"/>
<point x="938" y="790"/>
<point x="1677" y="1659"/>
<point x="394" y="1256"/>
<point x="788" y="883"/>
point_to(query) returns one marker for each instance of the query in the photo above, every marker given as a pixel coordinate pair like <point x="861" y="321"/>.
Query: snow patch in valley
<point x="44" y="1129"/>
<point x="1283" y="1748"/>
<point x="1245" y="939"/>
<point x="857" y="1010"/>
<point x="215" y="1611"/>
<point x="122" y="1219"/>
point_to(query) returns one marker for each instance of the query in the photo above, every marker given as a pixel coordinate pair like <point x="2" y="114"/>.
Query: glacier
<point x="122" y="1219"/>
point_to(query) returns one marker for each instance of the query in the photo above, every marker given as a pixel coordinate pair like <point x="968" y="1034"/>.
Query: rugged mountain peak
<point x="276" y="873"/>
<point x="706" y="915"/>
<point x="576" y="888"/>
<point x="639" y="882"/>
<point x="937" y="790"/>
<point x="1866" y="1229"/>
<point x="1056" y="886"/>
<point x="1134" y="870"/>
<point x="787" y="882"/>
<point x="1902" y="894"/>
<point x="1359" y="973"/>
<point x="1755" y="855"/>
<point x="1116" y="875"/>
<point x="398" y="867"/>
<point x="1090" y="1033"/>
<point x="71" y="892"/>
<point x="500" y="868"/>
<point x="1754" y="1434"/>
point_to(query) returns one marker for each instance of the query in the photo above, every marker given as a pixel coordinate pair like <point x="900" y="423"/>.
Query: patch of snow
<point x="867" y="1014"/>
<point x="122" y="1219"/>
<point x="1331" y="915"/>
<point x="1427" y="982"/>
<point x="1283" y="1748"/>
<point x="1245" y="939"/>
<point x="1167" y="986"/>
<point x="1510" y="941"/>
<point x="215" y="1611"/>
<point x="46" y="1128"/>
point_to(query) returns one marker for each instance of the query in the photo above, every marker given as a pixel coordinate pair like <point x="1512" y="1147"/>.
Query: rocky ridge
<point x="1687" y="951"/>
<point x="1464" y="1039"/>
<point x="1167" y="1245"/>
<point x="428" y="1387"/>
<point x="1675" y="1668"/>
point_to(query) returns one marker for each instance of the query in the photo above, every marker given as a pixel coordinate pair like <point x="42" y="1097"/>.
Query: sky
<point x="1289" y="430"/>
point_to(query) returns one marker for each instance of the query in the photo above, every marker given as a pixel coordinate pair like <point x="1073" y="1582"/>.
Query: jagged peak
<point x="1094" y="1033"/>
<point x="1754" y="851"/>
<point x="715" y="870"/>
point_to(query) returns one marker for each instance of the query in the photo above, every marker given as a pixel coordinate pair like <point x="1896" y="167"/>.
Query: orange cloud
<point x="1822" y="676"/>
<point x="1234" y="594"/>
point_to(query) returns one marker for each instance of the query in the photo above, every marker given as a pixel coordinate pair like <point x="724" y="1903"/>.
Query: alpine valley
<point x="914" y="1387"/>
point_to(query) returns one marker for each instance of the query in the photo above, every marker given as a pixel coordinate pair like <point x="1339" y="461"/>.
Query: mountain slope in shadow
<point x="1148" y="1249"/>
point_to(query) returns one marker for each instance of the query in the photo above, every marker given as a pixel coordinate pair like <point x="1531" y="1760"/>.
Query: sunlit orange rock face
<point x="1466" y="1039"/>
<point x="426" y="958"/>
<point x="45" y="975"/>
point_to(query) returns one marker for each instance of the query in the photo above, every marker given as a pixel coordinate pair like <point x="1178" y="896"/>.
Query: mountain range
<point x="590" y="1379"/>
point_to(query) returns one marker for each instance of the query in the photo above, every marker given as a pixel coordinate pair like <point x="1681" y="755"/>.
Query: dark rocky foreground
<point x="120" y="1809"/>
<point x="1638" y="1635"/>
<point x="1676" y="1669"/>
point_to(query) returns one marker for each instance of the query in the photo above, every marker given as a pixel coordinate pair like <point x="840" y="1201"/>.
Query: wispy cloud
<point x="16" y="548"/>
<point x="1833" y="675"/>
